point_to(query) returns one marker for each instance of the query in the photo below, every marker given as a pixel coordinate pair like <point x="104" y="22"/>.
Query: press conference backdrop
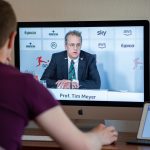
<point x="118" y="70"/>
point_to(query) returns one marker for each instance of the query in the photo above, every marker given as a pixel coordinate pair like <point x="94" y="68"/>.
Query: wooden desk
<point x="120" y="145"/>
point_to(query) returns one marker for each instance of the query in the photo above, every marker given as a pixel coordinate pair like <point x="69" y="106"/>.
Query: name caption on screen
<point x="77" y="96"/>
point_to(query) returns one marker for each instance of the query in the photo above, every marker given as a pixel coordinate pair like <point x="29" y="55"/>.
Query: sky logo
<point x="101" y="32"/>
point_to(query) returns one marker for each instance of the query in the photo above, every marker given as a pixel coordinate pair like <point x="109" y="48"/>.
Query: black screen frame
<point x="143" y="23"/>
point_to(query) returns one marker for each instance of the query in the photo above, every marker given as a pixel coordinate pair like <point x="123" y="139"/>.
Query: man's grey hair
<point x="74" y="32"/>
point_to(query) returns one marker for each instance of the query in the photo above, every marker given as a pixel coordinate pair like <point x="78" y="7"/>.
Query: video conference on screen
<point x="119" y="54"/>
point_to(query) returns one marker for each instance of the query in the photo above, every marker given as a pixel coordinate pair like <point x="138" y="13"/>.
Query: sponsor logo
<point x="101" y="45"/>
<point x="127" y="45"/>
<point x="127" y="32"/>
<point x="53" y="45"/>
<point x="101" y="32"/>
<point x="29" y="32"/>
<point x="53" y="33"/>
<point x="30" y="45"/>
<point x="138" y="64"/>
<point x="41" y="62"/>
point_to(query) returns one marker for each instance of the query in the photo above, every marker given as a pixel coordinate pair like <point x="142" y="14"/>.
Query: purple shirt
<point x="22" y="98"/>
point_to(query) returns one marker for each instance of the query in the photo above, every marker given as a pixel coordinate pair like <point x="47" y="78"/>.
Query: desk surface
<point x="52" y="145"/>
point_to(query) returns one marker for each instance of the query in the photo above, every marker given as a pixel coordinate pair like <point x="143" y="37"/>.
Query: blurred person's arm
<point x="63" y="131"/>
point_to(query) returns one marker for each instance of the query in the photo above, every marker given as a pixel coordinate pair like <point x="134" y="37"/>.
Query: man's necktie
<point x="71" y="74"/>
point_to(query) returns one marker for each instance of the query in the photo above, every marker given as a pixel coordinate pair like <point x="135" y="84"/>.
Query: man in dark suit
<point x="83" y="71"/>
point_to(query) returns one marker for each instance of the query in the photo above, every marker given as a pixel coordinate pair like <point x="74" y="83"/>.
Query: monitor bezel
<point x="144" y="23"/>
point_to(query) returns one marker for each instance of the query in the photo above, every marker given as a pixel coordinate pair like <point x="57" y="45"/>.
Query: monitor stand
<point x="87" y="124"/>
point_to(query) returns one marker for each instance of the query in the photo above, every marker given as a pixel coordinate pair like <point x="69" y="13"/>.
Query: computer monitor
<point x="122" y="58"/>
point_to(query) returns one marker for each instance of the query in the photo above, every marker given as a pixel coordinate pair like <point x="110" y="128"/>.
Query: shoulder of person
<point x="62" y="53"/>
<point x="27" y="76"/>
<point x="20" y="76"/>
<point x="86" y="54"/>
<point x="14" y="72"/>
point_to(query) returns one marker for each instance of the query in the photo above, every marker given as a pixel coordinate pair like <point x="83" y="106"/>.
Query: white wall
<point x="74" y="10"/>
<point x="52" y="10"/>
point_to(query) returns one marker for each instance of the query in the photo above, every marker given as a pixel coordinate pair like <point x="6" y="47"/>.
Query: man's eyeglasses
<point x="73" y="45"/>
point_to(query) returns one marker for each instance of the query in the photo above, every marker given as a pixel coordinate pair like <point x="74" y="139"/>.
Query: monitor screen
<point x="120" y="50"/>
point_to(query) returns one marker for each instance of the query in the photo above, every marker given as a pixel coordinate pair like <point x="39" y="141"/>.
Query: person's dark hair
<point x="74" y="32"/>
<point x="8" y="22"/>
